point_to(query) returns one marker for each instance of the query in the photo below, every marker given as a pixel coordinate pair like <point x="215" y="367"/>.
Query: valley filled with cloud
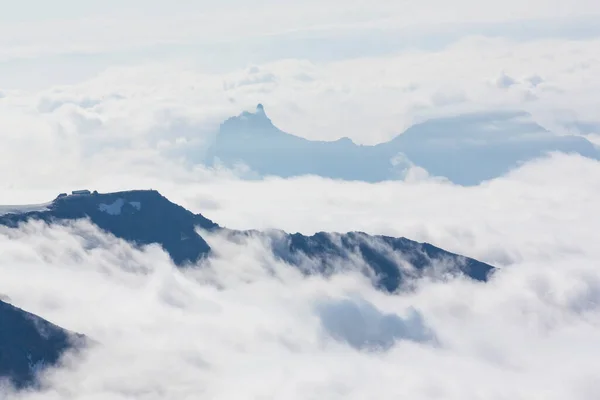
<point x="134" y="101"/>
<point x="246" y="325"/>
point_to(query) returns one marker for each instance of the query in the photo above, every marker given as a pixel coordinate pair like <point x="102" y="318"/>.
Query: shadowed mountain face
<point x="29" y="343"/>
<point x="391" y="260"/>
<point x="466" y="149"/>
<point x="145" y="217"/>
<point x="140" y="217"/>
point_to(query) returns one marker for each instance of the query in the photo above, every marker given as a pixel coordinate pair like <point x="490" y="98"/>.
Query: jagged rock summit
<point x="253" y="140"/>
<point x="466" y="149"/>
<point x="249" y="125"/>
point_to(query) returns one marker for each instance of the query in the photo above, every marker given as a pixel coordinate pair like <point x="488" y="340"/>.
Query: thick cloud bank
<point x="245" y="326"/>
<point x="125" y="117"/>
<point x="98" y="95"/>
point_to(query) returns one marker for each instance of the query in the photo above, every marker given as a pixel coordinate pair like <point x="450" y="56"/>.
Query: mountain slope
<point x="466" y="149"/>
<point x="251" y="138"/>
<point x="144" y="217"/>
<point x="472" y="148"/>
<point x="140" y="217"/>
<point x="29" y="343"/>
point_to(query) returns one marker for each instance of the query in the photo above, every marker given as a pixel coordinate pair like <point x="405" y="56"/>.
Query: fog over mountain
<point x="145" y="217"/>
<point x="175" y="332"/>
<point x="411" y="212"/>
<point x="29" y="344"/>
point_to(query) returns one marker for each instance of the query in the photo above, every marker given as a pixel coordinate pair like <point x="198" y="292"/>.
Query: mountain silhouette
<point x="466" y="149"/>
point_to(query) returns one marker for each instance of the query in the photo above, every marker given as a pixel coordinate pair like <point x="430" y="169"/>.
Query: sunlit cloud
<point x="246" y="318"/>
<point x="103" y="96"/>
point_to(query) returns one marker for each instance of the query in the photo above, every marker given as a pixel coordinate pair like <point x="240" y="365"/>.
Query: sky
<point x="121" y="95"/>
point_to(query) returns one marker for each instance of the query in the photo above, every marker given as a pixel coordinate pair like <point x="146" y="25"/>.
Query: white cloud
<point x="249" y="327"/>
<point x="42" y="45"/>
<point x="33" y="27"/>
<point x="174" y="108"/>
<point x="503" y="221"/>
<point x="594" y="138"/>
<point x="505" y="81"/>
<point x="246" y="326"/>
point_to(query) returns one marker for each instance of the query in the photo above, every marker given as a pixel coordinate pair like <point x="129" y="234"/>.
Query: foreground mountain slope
<point x="466" y="149"/>
<point x="29" y="343"/>
<point x="145" y="217"/>
<point x="139" y="216"/>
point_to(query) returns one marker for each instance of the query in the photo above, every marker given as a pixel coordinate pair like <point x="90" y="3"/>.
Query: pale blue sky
<point x="44" y="45"/>
<point x="66" y="41"/>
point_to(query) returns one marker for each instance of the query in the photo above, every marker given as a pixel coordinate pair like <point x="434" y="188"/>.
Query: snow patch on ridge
<point x="112" y="209"/>
<point x="116" y="207"/>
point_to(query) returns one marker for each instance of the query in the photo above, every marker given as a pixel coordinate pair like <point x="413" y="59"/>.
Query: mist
<point x="101" y="96"/>
<point x="245" y="325"/>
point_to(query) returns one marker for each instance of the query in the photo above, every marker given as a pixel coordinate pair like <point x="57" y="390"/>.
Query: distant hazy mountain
<point x="145" y="216"/>
<point x="29" y="343"/>
<point x="466" y="149"/>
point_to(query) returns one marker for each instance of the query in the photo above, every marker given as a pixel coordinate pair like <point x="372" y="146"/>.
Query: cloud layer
<point x="131" y="118"/>
<point x="36" y="28"/>
<point x="246" y="326"/>
<point x="131" y="101"/>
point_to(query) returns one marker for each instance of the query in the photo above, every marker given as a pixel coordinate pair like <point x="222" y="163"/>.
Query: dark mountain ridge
<point x="29" y="343"/>
<point x="138" y="216"/>
<point x="145" y="217"/>
<point x="142" y="217"/>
